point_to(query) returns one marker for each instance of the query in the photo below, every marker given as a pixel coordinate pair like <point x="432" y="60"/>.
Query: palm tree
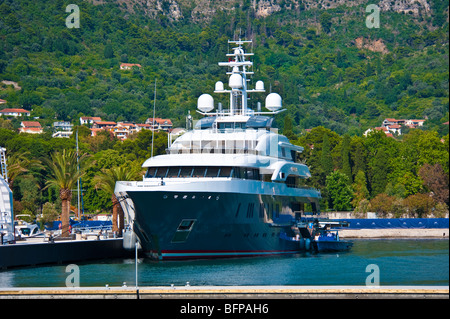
<point x="20" y="163"/>
<point x="106" y="180"/>
<point x="64" y="174"/>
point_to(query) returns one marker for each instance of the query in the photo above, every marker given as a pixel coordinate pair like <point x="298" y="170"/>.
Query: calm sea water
<point x="400" y="262"/>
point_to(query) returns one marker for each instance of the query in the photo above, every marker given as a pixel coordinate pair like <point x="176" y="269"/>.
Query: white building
<point x="14" y="112"/>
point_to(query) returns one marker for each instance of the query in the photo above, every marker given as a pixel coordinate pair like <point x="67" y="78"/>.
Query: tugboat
<point x="230" y="187"/>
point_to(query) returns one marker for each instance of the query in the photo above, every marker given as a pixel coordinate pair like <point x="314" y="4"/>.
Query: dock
<point x="231" y="292"/>
<point x="25" y="254"/>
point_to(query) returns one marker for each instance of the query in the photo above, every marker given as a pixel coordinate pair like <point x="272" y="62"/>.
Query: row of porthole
<point x="176" y="196"/>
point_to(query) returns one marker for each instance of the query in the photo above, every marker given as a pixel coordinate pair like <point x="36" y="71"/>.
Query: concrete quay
<point x="231" y="292"/>
<point x="377" y="233"/>
<point x="58" y="252"/>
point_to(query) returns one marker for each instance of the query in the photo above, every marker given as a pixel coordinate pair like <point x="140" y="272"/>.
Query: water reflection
<point x="401" y="262"/>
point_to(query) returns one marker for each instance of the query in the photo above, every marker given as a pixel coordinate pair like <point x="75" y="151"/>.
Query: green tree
<point x="288" y="129"/>
<point x="49" y="214"/>
<point x="435" y="179"/>
<point x="360" y="188"/>
<point x="345" y="157"/>
<point x="106" y="180"/>
<point x="326" y="159"/>
<point x="339" y="191"/>
<point x="325" y="21"/>
<point x="382" y="204"/>
<point x="63" y="174"/>
<point x="359" y="159"/>
<point x="379" y="172"/>
<point x="419" y="205"/>
<point x="109" y="51"/>
<point x="19" y="163"/>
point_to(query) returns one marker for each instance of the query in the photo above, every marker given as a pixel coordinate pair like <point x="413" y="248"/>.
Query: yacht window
<point x="212" y="172"/>
<point x="186" y="172"/>
<point x="150" y="172"/>
<point x="236" y="172"/>
<point x="161" y="172"/>
<point x="173" y="172"/>
<point x="225" y="172"/>
<point x="199" y="172"/>
<point x="186" y="225"/>
<point x="252" y="173"/>
<point x="292" y="181"/>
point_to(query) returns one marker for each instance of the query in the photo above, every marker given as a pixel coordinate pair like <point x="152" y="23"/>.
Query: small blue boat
<point x="327" y="240"/>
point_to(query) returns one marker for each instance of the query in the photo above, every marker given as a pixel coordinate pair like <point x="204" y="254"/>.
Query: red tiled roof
<point x="160" y="120"/>
<point x="29" y="124"/>
<point x="14" y="111"/>
<point x="105" y="123"/>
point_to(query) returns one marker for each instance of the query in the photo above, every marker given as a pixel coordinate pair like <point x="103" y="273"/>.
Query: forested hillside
<point x="329" y="67"/>
<point x="336" y="76"/>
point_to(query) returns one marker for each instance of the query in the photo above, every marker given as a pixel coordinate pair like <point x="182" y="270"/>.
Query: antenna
<point x="78" y="181"/>
<point x="153" y="121"/>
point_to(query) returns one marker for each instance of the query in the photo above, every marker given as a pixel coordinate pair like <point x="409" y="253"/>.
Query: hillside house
<point x="14" y="112"/>
<point x="31" y="127"/>
<point x="103" y="124"/>
<point x="62" y="129"/>
<point x="129" y="66"/>
<point x="84" y="120"/>
<point x="159" y="124"/>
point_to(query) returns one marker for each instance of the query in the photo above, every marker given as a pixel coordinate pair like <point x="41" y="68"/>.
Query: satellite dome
<point x="205" y="103"/>
<point x="273" y="102"/>
<point x="259" y="86"/>
<point x="219" y="86"/>
<point x="235" y="81"/>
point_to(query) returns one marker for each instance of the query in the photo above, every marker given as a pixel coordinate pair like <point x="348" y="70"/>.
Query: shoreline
<point x="395" y="233"/>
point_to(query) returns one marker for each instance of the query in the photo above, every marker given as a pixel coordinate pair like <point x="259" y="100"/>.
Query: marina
<point x="229" y="187"/>
<point x="401" y="262"/>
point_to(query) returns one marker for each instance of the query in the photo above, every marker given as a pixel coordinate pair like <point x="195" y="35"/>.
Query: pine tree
<point x="339" y="191"/>
<point x="326" y="161"/>
<point x="108" y="52"/>
<point x="359" y="161"/>
<point x="379" y="172"/>
<point x="360" y="188"/>
<point x="345" y="157"/>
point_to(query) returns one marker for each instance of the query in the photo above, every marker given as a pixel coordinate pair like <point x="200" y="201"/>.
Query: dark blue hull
<point x="185" y="225"/>
<point x="333" y="245"/>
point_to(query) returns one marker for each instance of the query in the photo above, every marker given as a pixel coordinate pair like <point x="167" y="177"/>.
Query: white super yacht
<point x="229" y="187"/>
